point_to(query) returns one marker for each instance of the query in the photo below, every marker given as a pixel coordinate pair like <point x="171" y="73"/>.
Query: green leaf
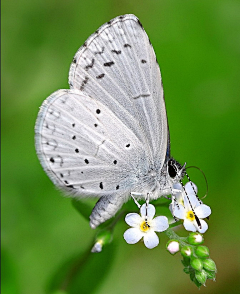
<point x="82" y="273"/>
<point x="82" y="207"/>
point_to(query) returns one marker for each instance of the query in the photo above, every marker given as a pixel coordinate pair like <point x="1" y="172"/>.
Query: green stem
<point x="172" y="235"/>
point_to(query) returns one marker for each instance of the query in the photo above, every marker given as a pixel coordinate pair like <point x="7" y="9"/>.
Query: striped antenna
<point x="197" y="219"/>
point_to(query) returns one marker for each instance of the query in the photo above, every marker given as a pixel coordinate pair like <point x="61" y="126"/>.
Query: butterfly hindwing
<point x="83" y="146"/>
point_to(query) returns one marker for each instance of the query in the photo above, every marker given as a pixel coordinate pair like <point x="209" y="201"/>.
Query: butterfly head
<point x="175" y="170"/>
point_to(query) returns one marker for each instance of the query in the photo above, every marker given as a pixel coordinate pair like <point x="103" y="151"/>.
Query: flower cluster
<point x="185" y="206"/>
<point x="196" y="260"/>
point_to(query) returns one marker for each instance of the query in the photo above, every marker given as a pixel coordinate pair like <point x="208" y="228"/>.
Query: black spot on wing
<point x="110" y="63"/>
<point x="100" y="76"/>
<point x="143" y="61"/>
<point x="116" y="51"/>
<point x="90" y="65"/>
<point x="101" y="185"/>
<point x="74" y="60"/>
<point x="127" y="46"/>
<point x="84" y="83"/>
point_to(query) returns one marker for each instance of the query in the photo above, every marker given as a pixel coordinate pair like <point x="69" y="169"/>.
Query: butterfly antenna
<point x="204" y="178"/>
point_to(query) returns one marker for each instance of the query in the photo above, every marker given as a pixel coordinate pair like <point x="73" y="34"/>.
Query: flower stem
<point x="172" y="235"/>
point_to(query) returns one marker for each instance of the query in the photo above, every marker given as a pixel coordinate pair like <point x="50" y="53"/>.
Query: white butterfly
<point x="107" y="136"/>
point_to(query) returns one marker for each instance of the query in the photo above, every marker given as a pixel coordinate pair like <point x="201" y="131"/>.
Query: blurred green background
<point x="197" y="44"/>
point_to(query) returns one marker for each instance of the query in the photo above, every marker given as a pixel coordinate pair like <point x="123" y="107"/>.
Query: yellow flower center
<point x="144" y="227"/>
<point x="181" y="201"/>
<point x="190" y="216"/>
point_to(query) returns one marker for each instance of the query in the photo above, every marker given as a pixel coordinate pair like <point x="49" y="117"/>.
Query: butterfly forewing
<point x="117" y="66"/>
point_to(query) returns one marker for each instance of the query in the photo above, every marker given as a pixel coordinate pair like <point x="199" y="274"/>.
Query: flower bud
<point x="196" y="264"/>
<point x="173" y="246"/>
<point x="202" y="251"/>
<point x="102" y="238"/>
<point x="201" y="277"/>
<point x="186" y="251"/>
<point x="195" y="238"/>
<point x="210" y="265"/>
<point x="97" y="247"/>
<point x="210" y="275"/>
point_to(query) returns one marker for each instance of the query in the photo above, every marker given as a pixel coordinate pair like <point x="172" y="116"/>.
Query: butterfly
<point x="107" y="136"/>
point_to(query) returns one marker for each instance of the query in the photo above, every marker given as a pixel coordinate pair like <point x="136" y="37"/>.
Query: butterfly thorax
<point x="159" y="182"/>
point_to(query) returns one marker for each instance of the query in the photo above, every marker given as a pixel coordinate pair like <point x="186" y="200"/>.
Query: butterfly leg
<point x="134" y="199"/>
<point x="105" y="208"/>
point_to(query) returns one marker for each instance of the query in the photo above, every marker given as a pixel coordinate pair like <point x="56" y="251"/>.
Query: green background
<point x="197" y="44"/>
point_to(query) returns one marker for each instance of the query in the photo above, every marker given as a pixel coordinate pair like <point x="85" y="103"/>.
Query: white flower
<point x="145" y="226"/>
<point x="191" y="210"/>
<point x="173" y="247"/>
<point x="179" y="195"/>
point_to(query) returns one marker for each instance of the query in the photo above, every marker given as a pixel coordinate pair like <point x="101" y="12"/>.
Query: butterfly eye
<point x="172" y="169"/>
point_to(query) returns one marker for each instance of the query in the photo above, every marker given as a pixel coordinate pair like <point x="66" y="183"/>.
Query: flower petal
<point x="203" y="211"/>
<point x="132" y="235"/>
<point x="149" y="212"/>
<point x="179" y="211"/>
<point x="133" y="219"/>
<point x="160" y="223"/>
<point x="190" y="201"/>
<point x="189" y="189"/>
<point x="189" y="225"/>
<point x="204" y="226"/>
<point x="151" y="239"/>
<point x="177" y="189"/>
